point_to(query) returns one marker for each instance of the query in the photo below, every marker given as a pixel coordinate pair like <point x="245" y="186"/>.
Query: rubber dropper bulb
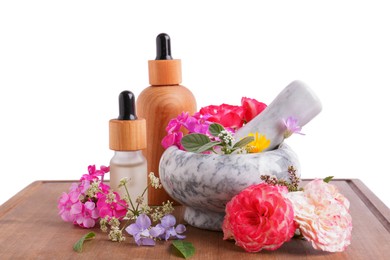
<point x="127" y="106"/>
<point x="163" y="46"/>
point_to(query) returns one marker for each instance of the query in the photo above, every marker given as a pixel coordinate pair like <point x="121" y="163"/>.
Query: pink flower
<point x="111" y="205"/>
<point x="292" y="127"/>
<point x="94" y="174"/>
<point x="78" y="205"/>
<point x="65" y="204"/>
<point x="322" y="214"/>
<point x="85" y="214"/>
<point x="259" y="217"/>
<point x="231" y="117"/>
<point x="187" y="124"/>
<point x="252" y="108"/>
<point x="227" y="115"/>
<point x="172" y="139"/>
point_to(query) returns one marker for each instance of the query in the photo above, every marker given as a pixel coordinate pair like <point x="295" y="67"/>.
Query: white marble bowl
<point x="204" y="183"/>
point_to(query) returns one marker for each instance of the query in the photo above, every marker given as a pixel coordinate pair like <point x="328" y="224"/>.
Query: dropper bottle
<point x="162" y="101"/>
<point x="127" y="139"/>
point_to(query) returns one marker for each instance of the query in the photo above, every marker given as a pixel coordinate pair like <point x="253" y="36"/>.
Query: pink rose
<point x="322" y="214"/>
<point x="226" y="115"/>
<point x="251" y="108"/>
<point x="259" y="217"/>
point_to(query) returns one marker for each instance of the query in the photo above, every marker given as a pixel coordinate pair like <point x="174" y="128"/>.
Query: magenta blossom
<point x="184" y="122"/>
<point x="94" y="174"/>
<point x="110" y="205"/>
<point x="292" y="127"/>
<point x="78" y="205"/>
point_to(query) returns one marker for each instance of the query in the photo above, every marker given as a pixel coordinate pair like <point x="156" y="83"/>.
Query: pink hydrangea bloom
<point x="86" y="214"/>
<point x="65" y="204"/>
<point x="322" y="214"/>
<point x="94" y="174"/>
<point x="111" y="205"/>
<point x="260" y="217"/>
<point x="78" y="205"/>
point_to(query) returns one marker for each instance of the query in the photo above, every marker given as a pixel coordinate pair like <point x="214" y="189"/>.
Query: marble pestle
<point x="296" y="100"/>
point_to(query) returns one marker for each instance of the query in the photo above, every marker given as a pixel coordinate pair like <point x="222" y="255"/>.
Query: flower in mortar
<point x="259" y="144"/>
<point x="259" y="217"/>
<point x="251" y="108"/>
<point x="292" y="127"/>
<point x="227" y="115"/>
<point x="322" y="214"/>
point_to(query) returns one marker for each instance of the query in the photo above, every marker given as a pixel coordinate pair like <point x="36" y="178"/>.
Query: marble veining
<point x="204" y="183"/>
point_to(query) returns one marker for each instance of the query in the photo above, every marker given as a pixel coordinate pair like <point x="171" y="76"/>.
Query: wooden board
<point x="30" y="228"/>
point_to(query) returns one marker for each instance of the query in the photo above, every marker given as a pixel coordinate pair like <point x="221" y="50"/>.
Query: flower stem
<point x="143" y="193"/>
<point x="128" y="195"/>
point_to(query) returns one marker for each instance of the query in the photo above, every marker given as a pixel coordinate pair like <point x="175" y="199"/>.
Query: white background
<point x="63" y="64"/>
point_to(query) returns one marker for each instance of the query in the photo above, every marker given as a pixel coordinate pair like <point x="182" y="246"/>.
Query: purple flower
<point x="292" y="127"/>
<point x="168" y="228"/>
<point x="141" y="231"/>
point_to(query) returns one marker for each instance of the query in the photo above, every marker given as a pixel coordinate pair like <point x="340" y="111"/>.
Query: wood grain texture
<point x="31" y="229"/>
<point x="127" y="135"/>
<point x="158" y="105"/>
<point x="164" y="72"/>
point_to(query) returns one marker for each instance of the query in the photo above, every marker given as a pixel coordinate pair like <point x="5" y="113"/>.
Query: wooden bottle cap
<point x="164" y="72"/>
<point x="127" y="135"/>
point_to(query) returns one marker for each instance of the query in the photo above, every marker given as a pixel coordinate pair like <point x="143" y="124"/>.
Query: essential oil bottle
<point x="127" y="139"/>
<point x="162" y="101"/>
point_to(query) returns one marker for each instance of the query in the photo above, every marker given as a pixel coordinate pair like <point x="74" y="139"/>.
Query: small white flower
<point x="154" y="181"/>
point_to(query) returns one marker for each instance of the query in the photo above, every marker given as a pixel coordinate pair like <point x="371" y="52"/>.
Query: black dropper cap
<point x="127" y="106"/>
<point x="163" y="44"/>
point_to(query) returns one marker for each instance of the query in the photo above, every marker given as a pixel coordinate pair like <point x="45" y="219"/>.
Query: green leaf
<point x="185" y="248"/>
<point x="193" y="142"/>
<point x="78" y="247"/>
<point x="244" y="141"/>
<point x="215" y="129"/>
<point x="328" y="179"/>
<point x="207" y="147"/>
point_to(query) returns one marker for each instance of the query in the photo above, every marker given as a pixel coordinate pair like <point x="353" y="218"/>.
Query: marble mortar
<point x="205" y="183"/>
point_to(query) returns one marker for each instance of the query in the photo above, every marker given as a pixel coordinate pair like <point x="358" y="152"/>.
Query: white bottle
<point x="127" y="139"/>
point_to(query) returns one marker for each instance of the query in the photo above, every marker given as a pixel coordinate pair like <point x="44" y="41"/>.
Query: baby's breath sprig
<point x="160" y="211"/>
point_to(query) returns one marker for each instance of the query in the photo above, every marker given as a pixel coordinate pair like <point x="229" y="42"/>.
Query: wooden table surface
<point x="30" y="228"/>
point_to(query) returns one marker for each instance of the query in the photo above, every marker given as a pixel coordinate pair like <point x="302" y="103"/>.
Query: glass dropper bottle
<point x="127" y="139"/>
